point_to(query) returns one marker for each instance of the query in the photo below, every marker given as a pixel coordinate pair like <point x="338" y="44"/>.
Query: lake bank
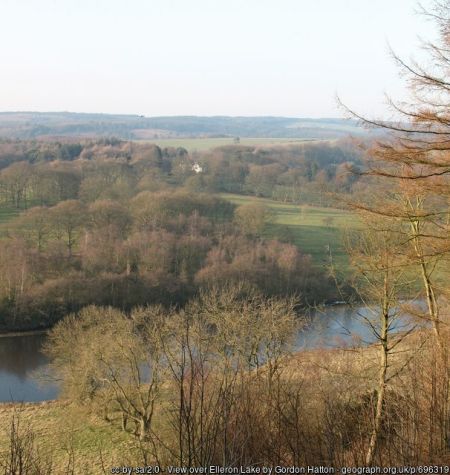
<point x="23" y="333"/>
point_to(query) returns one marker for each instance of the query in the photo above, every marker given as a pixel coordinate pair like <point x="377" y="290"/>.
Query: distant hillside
<point x="29" y="125"/>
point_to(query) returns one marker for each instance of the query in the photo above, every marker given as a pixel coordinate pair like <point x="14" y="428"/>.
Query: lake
<point x="21" y="358"/>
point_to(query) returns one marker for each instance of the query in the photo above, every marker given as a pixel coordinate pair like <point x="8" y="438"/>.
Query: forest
<point x="120" y="223"/>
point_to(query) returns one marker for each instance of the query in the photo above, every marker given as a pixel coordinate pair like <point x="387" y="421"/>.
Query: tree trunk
<point x="384" y="352"/>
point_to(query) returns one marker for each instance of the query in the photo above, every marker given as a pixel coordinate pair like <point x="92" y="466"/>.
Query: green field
<point x="316" y="231"/>
<point x="7" y="213"/>
<point x="200" y="144"/>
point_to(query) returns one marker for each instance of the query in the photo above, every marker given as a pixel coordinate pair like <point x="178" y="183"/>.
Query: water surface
<point x="21" y="360"/>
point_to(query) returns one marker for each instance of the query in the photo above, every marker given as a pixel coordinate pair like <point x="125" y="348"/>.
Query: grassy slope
<point x="59" y="427"/>
<point x="308" y="227"/>
<point x="7" y="213"/>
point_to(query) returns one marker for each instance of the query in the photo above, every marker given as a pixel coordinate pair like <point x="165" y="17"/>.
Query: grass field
<point x="208" y="143"/>
<point x="316" y="231"/>
<point x="7" y="213"/>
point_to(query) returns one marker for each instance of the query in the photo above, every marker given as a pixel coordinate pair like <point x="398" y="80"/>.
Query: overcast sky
<point x="204" y="57"/>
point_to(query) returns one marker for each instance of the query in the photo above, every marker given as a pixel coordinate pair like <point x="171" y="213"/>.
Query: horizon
<point x="174" y="115"/>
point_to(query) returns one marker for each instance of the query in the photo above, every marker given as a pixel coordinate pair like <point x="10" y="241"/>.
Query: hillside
<point x="27" y="125"/>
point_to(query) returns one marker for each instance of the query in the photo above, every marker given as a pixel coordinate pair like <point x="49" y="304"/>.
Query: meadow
<point x="7" y="213"/>
<point x="202" y="144"/>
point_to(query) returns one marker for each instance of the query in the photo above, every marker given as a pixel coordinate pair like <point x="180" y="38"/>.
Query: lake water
<point x="21" y="359"/>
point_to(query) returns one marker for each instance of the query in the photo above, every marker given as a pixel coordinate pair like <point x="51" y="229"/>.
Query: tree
<point x="262" y="178"/>
<point x="109" y="217"/>
<point x="252" y="218"/>
<point x="215" y="350"/>
<point x="66" y="219"/>
<point x="379" y="277"/>
<point x="35" y="225"/>
<point x="111" y="361"/>
<point x="15" y="275"/>
<point x="15" y="181"/>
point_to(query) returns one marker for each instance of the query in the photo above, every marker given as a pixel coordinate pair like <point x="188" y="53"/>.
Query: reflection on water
<point x="20" y="354"/>
<point x="343" y="326"/>
<point x="21" y="358"/>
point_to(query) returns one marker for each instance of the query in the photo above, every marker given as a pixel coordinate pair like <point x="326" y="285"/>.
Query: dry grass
<point x="61" y="429"/>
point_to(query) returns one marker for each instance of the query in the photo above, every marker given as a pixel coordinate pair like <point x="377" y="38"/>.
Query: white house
<point x="197" y="168"/>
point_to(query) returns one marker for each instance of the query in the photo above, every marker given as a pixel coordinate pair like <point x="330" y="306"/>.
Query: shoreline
<point x="23" y="333"/>
<point x="19" y="404"/>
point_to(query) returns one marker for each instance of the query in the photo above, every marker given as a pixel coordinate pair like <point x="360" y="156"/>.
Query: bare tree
<point x="106" y="362"/>
<point x="380" y="277"/>
<point x="23" y="456"/>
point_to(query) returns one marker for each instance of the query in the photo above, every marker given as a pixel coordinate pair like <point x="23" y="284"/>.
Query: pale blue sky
<point x="204" y="57"/>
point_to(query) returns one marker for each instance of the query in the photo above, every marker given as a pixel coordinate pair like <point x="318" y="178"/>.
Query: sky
<point x="206" y="57"/>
